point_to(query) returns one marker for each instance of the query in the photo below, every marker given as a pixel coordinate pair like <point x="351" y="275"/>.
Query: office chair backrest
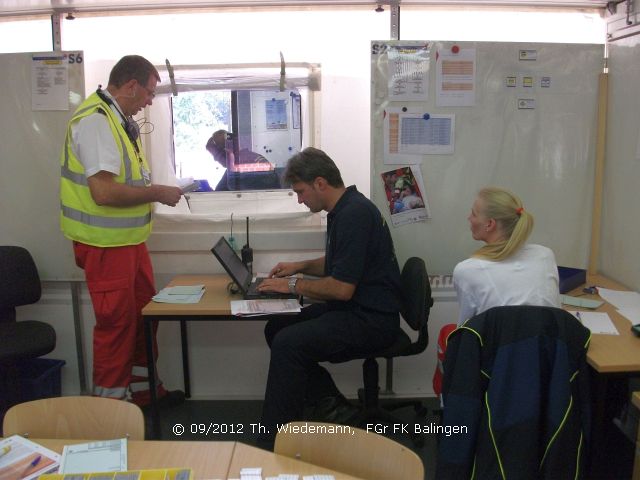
<point x="19" y="281"/>
<point x="349" y="450"/>
<point x="90" y="418"/>
<point x="417" y="300"/>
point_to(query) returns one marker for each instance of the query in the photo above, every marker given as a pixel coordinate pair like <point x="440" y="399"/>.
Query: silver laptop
<point x="240" y="274"/>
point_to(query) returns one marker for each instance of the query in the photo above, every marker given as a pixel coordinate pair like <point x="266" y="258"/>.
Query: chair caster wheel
<point x="418" y="441"/>
<point x="421" y="411"/>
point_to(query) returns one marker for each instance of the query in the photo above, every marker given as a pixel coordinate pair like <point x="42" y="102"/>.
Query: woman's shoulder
<point x="538" y="249"/>
<point x="470" y="264"/>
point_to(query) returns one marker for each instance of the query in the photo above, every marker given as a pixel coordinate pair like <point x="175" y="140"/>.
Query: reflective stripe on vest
<point x="105" y="222"/>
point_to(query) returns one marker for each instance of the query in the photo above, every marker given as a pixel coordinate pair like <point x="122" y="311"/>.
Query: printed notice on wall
<point x="408" y="136"/>
<point x="456" y="77"/>
<point x="49" y="82"/>
<point x="276" y="114"/>
<point x="408" y="72"/>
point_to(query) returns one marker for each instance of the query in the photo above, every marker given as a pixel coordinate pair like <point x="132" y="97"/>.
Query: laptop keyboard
<point x="253" y="287"/>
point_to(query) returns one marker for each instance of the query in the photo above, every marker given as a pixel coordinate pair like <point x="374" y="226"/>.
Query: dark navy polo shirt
<point x="359" y="250"/>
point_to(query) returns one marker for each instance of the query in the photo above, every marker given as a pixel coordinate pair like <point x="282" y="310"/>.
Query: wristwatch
<point x="292" y="285"/>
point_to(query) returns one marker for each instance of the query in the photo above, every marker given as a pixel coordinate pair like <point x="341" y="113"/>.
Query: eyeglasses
<point x="150" y="92"/>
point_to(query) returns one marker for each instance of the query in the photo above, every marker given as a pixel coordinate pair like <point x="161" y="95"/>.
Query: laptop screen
<point x="232" y="263"/>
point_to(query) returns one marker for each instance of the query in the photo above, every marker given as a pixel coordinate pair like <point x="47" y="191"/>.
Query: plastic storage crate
<point x="571" y="278"/>
<point x="40" y="378"/>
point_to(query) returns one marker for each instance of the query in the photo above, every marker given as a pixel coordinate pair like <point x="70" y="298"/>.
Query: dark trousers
<point x="318" y="334"/>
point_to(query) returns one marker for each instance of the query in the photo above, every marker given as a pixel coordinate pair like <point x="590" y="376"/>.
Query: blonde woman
<point x="506" y="270"/>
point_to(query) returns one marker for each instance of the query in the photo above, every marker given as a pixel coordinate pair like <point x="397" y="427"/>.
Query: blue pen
<point x="30" y="466"/>
<point x="579" y="317"/>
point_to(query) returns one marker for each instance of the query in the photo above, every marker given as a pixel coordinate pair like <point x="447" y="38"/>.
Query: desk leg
<point x="185" y="359"/>
<point x="609" y="393"/>
<point x="77" y="325"/>
<point x="151" y="371"/>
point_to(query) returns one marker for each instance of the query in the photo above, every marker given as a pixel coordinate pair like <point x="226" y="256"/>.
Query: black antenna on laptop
<point x="247" y="252"/>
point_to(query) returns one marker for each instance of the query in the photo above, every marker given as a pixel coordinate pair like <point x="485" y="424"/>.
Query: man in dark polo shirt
<point x="358" y="281"/>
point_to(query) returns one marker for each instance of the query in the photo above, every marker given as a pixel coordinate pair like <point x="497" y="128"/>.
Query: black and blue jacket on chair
<point x="516" y="377"/>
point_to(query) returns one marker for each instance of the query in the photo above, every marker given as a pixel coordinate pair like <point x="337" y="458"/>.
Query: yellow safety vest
<point x="81" y="219"/>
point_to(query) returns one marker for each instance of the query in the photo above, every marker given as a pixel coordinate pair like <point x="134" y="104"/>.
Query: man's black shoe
<point x="172" y="398"/>
<point x="335" y="410"/>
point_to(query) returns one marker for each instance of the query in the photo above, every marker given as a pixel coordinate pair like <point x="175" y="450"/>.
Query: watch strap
<point x="292" y="285"/>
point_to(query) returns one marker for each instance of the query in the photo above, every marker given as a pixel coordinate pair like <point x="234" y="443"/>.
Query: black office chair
<point x="417" y="303"/>
<point x="26" y="339"/>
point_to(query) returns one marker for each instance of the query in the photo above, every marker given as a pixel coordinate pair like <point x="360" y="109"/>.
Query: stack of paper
<point x="23" y="459"/>
<point x="180" y="294"/>
<point x="631" y="314"/>
<point x="627" y="303"/>
<point x="256" y="474"/>
<point x="264" y="307"/>
<point x="597" y="322"/>
<point x="620" y="299"/>
<point x="102" y="456"/>
<point x="188" y="184"/>
<point x="155" y="474"/>
<point x="580" y="302"/>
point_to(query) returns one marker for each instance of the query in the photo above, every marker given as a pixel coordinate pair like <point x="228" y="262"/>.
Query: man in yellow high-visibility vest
<point x="106" y="195"/>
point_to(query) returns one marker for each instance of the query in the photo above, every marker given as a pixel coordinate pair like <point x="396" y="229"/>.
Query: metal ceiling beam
<point x="50" y="7"/>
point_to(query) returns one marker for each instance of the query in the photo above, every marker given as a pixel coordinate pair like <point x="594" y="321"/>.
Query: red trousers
<point x="120" y="282"/>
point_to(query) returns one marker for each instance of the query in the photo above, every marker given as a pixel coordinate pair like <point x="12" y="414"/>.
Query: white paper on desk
<point x="620" y="298"/>
<point x="631" y="314"/>
<point x="102" y="456"/>
<point x="264" y="307"/>
<point x="21" y="451"/>
<point x="185" y="289"/>
<point x="597" y="322"/>
<point x="180" y="294"/>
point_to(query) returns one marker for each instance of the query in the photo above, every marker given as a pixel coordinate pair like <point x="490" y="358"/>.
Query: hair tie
<point x="519" y="211"/>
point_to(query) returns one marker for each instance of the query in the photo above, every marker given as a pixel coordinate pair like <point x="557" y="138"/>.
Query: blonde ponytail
<point x="513" y="221"/>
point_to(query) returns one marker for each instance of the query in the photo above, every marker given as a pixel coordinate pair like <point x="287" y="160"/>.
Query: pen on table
<point x="578" y="316"/>
<point x="30" y="466"/>
<point x="6" y="449"/>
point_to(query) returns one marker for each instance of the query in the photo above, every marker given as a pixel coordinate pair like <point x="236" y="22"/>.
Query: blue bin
<point x="40" y="378"/>
<point x="571" y="278"/>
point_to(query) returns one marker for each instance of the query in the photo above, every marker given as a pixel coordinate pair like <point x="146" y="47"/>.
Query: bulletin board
<point x="464" y="115"/>
<point x="40" y="92"/>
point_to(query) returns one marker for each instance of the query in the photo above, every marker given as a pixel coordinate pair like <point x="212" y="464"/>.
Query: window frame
<point x="305" y="80"/>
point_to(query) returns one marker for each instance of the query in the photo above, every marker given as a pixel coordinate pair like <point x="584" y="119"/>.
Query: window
<point x="238" y="139"/>
<point x="196" y="115"/>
